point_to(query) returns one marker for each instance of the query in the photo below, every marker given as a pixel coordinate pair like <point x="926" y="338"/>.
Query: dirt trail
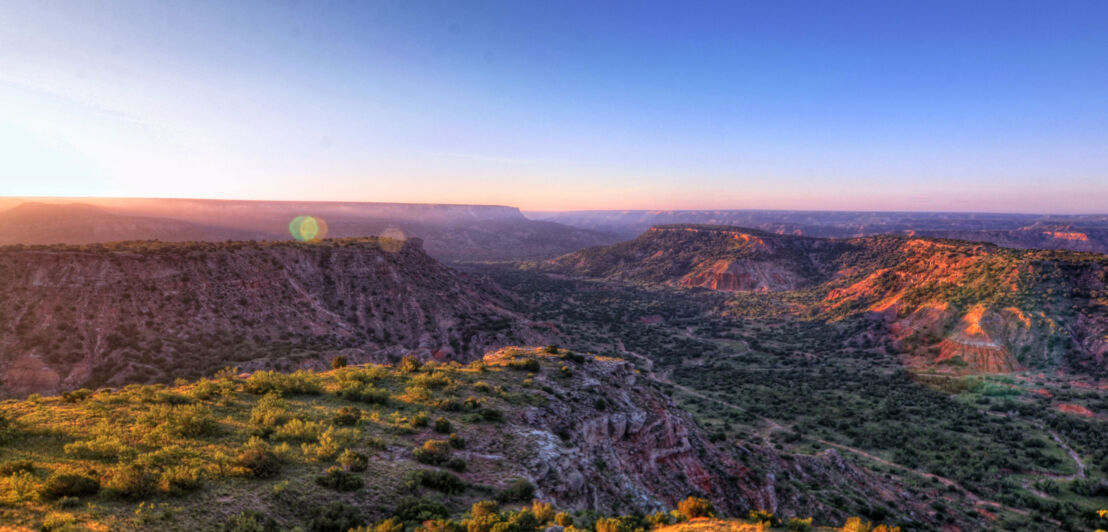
<point x="774" y="426"/>
<point x="1073" y="454"/>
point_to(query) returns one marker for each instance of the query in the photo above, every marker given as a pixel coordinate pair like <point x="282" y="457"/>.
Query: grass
<point x="188" y="442"/>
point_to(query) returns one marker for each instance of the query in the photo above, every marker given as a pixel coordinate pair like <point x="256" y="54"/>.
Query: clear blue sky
<point x="990" y="106"/>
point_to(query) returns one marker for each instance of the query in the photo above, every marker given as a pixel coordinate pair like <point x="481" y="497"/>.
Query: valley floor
<point x="1015" y="451"/>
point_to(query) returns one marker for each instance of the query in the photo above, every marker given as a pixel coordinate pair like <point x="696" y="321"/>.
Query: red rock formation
<point x="642" y="453"/>
<point x="1075" y="409"/>
<point x="142" y="312"/>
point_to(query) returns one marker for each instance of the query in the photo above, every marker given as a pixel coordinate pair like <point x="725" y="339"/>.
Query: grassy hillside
<point x="306" y="450"/>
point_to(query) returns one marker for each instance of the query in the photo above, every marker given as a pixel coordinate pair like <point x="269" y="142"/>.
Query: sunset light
<point x="553" y="266"/>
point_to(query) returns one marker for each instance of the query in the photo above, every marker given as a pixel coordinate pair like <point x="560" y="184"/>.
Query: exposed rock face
<point x="141" y="312"/>
<point x="29" y="374"/>
<point x="951" y="305"/>
<point x="640" y="452"/>
<point x="720" y="258"/>
<point x="972" y="308"/>
<point x="1038" y="236"/>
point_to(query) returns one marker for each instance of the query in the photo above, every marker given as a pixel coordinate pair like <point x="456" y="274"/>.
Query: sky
<point x="940" y="106"/>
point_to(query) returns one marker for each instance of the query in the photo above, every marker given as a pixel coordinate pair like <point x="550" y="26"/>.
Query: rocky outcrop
<point x="948" y="305"/>
<point x="728" y="259"/>
<point x="143" y="312"/>
<point x="606" y="439"/>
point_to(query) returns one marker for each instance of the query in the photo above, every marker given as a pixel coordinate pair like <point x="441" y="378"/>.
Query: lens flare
<point x="392" y="239"/>
<point x="308" y="228"/>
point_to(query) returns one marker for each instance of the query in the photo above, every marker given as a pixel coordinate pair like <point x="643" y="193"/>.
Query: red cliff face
<point x="742" y="276"/>
<point x="152" y="312"/>
<point x="642" y="453"/>
<point x="950" y="305"/>
<point x="716" y="258"/>
<point x="1068" y="235"/>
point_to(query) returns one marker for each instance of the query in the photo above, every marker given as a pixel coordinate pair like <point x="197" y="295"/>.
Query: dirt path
<point x="664" y="379"/>
<point x="774" y="426"/>
<point x="1073" y="454"/>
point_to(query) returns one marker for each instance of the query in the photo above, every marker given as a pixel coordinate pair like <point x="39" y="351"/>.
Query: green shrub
<point x="694" y="507"/>
<point x="456" y="441"/>
<point x="298" y="383"/>
<point x="338" y="362"/>
<point x="441" y="525"/>
<point x="491" y="414"/>
<point x="525" y="364"/>
<point x="363" y="375"/>
<point x="391" y="524"/>
<point x="420" y="420"/>
<point x="763" y="516"/>
<point x="77" y="396"/>
<point x="797" y="524"/>
<point x="15" y="466"/>
<point x="179" y="479"/>
<point x="419" y="510"/>
<point x="7" y="431"/>
<point x="250" y="521"/>
<point x="658" y="519"/>
<point x="347" y="416"/>
<point x="434" y="380"/>
<point x="457" y="464"/>
<point x="258" y="458"/>
<point x="410" y="364"/>
<point x="365" y="393"/>
<point x="448" y="483"/>
<point x="518" y="490"/>
<point x="68" y="485"/>
<point x="353" y="460"/>
<point x="543" y="511"/>
<point x="573" y="357"/>
<point x="191" y="421"/>
<point x="433" y="452"/>
<point x="442" y="425"/>
<point x="172" y="398"/>
<point x="551" y="349"/>
<point x="59" y="522"/>
<point x="103" y="447"/>
<point x="334" y="517"/>
<point x="298" y="430"/>
<point x="133" y="481"/>
<point x="329" y="443"/>
<point x="483" y="508"/>
<point x="339" y="480"/>
<point x="612" y="524"/>
<point x="206" y="389"/>
<point x="271" y="412"/>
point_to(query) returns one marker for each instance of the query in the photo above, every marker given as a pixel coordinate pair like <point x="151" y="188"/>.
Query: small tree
<point x="410" y="364"/>
<point x="338" y="362"/>
<point x="442" y="425"/>
<point x="694" y="507"/>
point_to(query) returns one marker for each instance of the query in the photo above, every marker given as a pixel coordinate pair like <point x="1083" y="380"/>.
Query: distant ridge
<point x="81" y="223"/>
<point x="1029" y="231"/>
<point x="451" y="232"/>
